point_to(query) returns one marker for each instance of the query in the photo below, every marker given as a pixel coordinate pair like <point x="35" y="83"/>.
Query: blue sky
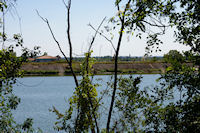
<point x="83" y="12"/>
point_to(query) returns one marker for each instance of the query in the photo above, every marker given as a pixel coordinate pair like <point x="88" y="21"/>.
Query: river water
<point x="39" y="94"/>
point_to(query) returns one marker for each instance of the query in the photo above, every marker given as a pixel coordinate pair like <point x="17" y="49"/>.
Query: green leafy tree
<point x="84" y="101"/>
<point x="130" y="103"/>
<point x="143" y="111"/>
<point x="185" y="113"/>
<point x="182" y="77"/>
<point x="174" y="56"/>
<point x="135" y="17"/>
<point x="10" y="66"/>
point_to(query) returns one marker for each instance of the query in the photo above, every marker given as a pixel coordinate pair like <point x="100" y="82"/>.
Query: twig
<point x="96" y="32"/>
<point x="47" y="22"/>
<point x="110" y="41"/>
<point x="155" y="25"/>
<point x="68" y="7"/>
<point x="87" y="70"/>
<point x="58" y="44"/>
<point x="3" y="36"/>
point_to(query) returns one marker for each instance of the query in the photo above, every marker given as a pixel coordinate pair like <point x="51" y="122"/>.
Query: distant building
<point x="46" y="58"/>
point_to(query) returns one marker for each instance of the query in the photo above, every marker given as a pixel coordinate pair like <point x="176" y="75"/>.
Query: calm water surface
<point x="39" y="94"/>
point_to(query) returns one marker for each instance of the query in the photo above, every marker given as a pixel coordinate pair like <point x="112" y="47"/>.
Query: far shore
<point x="99" y="68"/>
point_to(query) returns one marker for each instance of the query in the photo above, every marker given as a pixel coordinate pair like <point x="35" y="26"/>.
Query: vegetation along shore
<point x="59" y="68"/>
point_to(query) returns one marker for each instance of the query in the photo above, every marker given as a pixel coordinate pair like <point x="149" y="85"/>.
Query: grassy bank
<point x="107" y="68"/>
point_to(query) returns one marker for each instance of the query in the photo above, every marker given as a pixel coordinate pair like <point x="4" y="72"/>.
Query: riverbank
<point x="102" y="68"/>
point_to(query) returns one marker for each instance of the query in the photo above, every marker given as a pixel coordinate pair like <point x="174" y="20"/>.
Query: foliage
<point x="186" y="21"/>
<point x="10" y="66"/>
<point x="144" y="110"/>
<point x="173" y="106"/>
<point x="136" y="17"/>
<point x="9" y="71"/>
<point x="84" y="102"/>
<point x="174" y="56"/>
<point x="184" y="79"/>
<point x="180" y="86"/>
<point x="184" y="115"/>
<point x="144" y="17"/>
<point x="129" y="103"/>
<point x="180" y="79"/>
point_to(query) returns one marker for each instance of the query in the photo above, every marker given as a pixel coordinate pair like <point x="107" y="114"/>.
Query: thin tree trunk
<point x="122" y="20"/>
<point x="115" y="79"/>
<point x="70" y="43"/>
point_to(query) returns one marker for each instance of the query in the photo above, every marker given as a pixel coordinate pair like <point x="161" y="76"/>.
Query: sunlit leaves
<point x="117" y="2"/>
<point x="10" y="66"/>
<point x="84" y="100"/>
<point x="10" y="70"/>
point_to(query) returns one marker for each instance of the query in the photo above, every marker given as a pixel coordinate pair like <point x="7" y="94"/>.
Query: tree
<point x="10" y="66"/>
<point x="10" y="70"/>
<point x="84" y="100"/>
<point x="187" y="77"/>
<point x="183" y="74"/>
<point x="178" y="75"/>
<point x="134" y="16"/>
<point x="45" y="53"/>
<point x="174" y="56"/>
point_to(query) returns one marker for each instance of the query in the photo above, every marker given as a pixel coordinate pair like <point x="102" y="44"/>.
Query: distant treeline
<point x="121" y="58"/>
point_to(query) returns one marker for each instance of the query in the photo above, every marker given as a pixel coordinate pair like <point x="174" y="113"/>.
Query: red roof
<point x="46" y="57"/>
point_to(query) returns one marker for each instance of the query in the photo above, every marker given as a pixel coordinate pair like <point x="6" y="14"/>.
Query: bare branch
<point x="68" y="6"/>
<point x="87" y="70"/>
<point x="109" y="40"/>
<point x="3" y="36"/>
<point x="47" y="22"/>
<point x="68" y="61"/>
<point x="154" y="24"/>
<point x="69" y="40"/>
<point x="44" y="19"/>
<point x="96" y="32"/>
